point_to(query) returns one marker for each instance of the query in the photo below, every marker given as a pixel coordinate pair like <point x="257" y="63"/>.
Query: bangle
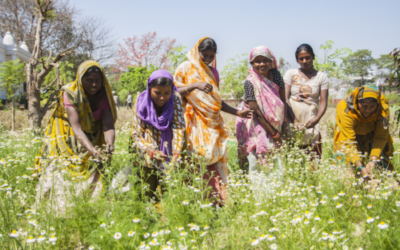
<point x="276" y="136"/>
<point x="359" y="169"/>
<point x="151" y="154"/>
<point x="187" y="92"/>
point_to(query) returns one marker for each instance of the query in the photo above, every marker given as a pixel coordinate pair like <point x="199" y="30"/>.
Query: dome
<point x="8" y="39"/>
<point x="24" y="46"/>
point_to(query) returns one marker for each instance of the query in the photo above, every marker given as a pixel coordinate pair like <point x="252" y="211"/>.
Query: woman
<point x="207" y="134"/>
<point x="362" y="120"/>
<point x="82" y="122"/>
<point x="305" y="89"/>
<point x="158" y="126"/>
<point x="264" y="94"/>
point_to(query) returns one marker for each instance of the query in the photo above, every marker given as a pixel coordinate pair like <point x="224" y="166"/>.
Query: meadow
<point x="285" y="205"/>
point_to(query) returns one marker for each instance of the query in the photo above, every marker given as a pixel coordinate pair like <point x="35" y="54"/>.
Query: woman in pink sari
<point x="264" y="94"/>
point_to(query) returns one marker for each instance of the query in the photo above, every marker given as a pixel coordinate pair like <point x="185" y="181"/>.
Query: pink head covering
<point x="265" y="52"/>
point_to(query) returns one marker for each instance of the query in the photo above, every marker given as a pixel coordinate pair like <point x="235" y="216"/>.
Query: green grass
<point x="291" y="204"/>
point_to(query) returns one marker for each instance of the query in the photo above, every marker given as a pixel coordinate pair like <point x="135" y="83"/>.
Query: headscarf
<point x="368" y="91"/>
<point x="265" y="52"/>
<point x="76" y="95"/>
<point x="147" y="113"/>
<point x="267" y="92"/>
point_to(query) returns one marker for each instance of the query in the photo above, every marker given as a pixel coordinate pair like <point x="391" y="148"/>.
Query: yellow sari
<point x="63" y="162"/>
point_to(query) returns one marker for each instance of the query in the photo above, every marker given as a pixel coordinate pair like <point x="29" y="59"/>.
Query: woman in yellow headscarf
<point x="207" y="134"/>
<point x="362" y="120"/>
<point x="82" y="123"/>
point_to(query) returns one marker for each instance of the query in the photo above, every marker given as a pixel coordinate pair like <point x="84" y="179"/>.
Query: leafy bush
<point x="393" y="99"/>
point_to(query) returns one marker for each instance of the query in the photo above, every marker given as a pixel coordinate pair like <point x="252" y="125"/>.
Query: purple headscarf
<point x="147" y="113"/>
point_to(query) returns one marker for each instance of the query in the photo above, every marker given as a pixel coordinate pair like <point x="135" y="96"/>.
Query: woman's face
<point x="92" y="83"/>
<point x="160" y="95"/>
<point x="207" y="56"/>
<point x="305" y="59"/>
<point x="367" y="108"/>
<point x="262" y="65"/>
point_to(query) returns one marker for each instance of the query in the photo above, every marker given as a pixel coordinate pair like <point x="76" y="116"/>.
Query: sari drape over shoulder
<point x="61" y="153"/>
<point x="207" y="134"/>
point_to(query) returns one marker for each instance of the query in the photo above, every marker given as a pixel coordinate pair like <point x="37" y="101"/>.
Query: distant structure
<point x="9" y="50"/>
<point x="340" y="95"/>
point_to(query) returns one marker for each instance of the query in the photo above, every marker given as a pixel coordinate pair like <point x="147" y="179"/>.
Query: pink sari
<point x="249" y="132"/>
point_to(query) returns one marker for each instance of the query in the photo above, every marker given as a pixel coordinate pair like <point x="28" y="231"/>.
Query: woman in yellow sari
<point x="207" y="134"/>
<point x="70" y="160"/>
<point x="362" y="120"/>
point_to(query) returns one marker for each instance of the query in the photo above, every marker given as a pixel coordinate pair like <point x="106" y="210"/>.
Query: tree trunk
<point x="34" y="115"/>
<point x="13" y="114"/>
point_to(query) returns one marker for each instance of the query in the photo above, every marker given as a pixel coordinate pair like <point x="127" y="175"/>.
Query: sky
<point x="239" y="26"/>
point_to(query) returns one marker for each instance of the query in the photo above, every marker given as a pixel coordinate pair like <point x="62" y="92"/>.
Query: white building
<point x="9" y="50"/>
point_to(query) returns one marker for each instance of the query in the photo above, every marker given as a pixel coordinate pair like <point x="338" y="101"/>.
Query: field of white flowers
<point x="284" y="206"/>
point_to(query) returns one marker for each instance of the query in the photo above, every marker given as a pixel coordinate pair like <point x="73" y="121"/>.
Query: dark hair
<point x="161" y="81"/>
<point x="370" y="99"/>
<point x="93" y="69"/>
<point x="304" y="47"/>
<point x="207" y="44"/>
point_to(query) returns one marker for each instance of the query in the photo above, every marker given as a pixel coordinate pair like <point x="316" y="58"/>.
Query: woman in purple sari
<point x="264" y="94"/>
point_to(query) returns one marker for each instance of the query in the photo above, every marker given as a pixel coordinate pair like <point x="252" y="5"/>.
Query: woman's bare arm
<point x="108" y="129"/>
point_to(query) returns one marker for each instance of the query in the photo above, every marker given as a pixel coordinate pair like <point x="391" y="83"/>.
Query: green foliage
<point x="393" y="99"/>
<point x="176" y="56"/>
<point x="234" y="73"/>
<point x="12" y="75"/>
<point x="135" y="79"/>
<point x="283" y="65"/>
<point x="122" y="94"/>
<point x="358" y="64"/>
<point x="331" y="62"/>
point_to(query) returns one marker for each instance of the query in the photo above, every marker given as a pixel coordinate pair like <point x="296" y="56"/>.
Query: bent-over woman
<point x="82" y="123"/>
<point x="207" y="134"/>
<point x="306" y="91"/>
<point x="264" y="94"/>
<point x="362" y="120"/>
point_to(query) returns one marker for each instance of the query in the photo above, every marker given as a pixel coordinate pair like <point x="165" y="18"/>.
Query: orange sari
<point x="207" y="134"/>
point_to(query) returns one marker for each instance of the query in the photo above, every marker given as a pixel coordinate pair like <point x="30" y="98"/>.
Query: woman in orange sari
<point x="207" y="134"/>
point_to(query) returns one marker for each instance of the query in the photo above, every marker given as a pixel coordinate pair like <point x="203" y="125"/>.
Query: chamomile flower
<point x="91" y="248"/>
<point x="306" y="221"/>
<point x="30" y="240"/>
<point x="117" y="236"/>
<point x="255" y="242"/>
<point x="131" y="233"/>
<point x="263" y="237"/>
<point x="103" y="224"/>
<point x="154" y="234"/>
<point x="342" y="193"/>
<point x="383" y="225"/>
<point x="330" y="221"/>
<point x="206" y="227"/>
<point x="41" y="238"/>
<point x="397" y="203"/>
<point x="183" y="233"/>
<point x="370" y="220"/>
<point x="369" y="206"/>
<point x="136" y="220"/>
<point x="43" y="232"/>
<point x="53" y="239"/>
<point x="274" y="246"/>
<point x="154" y="242"/>
<point x="185" y="202"/>
<point x="203" y="234"/>
<point x="14" y="234"/>
<point x="181" y="228"/>
<point x="146" y="235"/>
<point x="339" y="205"/>
<point x="317" y="218"/>
<point x="271" y="238"/>
<point x="335" y="197"/>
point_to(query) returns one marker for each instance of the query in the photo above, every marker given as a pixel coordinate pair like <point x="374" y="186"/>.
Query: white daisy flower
<point x="206" y="227"/>
<point x="91" y="247"/>
<point x="103" y="224"/>
<point x="43" y="232"/>
<point x="271" y="238"/>
<point x="274" y="246"/>
<point x="342" y="193"/>
<point x="369" y="206"/>
<point x="255" y="242"/>
<point x="370" y="220"/>
<point x="339" y="205"/>
<point x="183" y="233"/>
<point x="146" y="235"/>
<point x="154" y="234"/>
<point x="117" y="236"/>
<point x="335" y="197"/>
<point x="181" y="228"/>
<point x="185" y="202"/>
<point x="14" y="234"/>
<point x="263" y="237"/>
<point x="136" y="220"/>
<point x="41" y="238"/>
<point x="317" y="218"/>
<point x="383" y="225"/>
<point x="53" y="239"/>
<point x="131" y="233"/>
<point x="154" y="242"/>
<point x="203" y="234"/>
<point x="30" y="240"/>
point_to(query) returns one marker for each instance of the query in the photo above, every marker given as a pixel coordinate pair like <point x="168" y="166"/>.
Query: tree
<point x="385" y="65"/>
<point x="331" y="62"/>
<point x="11" y="79"/>
<point x="176" y="56"/>
<point x="283" y="65"/>
<point x="358" y="64"/>
<point x="42" y="63"/>
<point x="134" y="80"/>
<point x="144" y="51"/>
<point x="234" y="73"/>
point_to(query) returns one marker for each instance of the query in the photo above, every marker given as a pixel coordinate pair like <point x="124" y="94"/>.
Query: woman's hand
<point x="204" y="86"/>
<point x="96" y="154"/>
<point x="312" y="122"/>
<point x="248" y="113"/>
<point x="109" y="150"/>
<point x="159" y="155"/>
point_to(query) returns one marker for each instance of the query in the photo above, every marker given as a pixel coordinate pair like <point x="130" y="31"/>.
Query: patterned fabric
<point x="265" y="52"/>
<point x="205" y="128"/>
<point x="145" y="136"/>
<point x="304" y="100"/>
<point x="61" y="151"/>
<point x="368" y="91"/>
<point x="249" y="132"/>
<point x="249" y="89"/>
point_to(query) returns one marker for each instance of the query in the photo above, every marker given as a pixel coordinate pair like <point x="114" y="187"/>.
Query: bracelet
<point x="187" y="92"/>
<point x="359" y="169"/>
<point x="276" y="136"/>
<point x="151" y="154"/>
<point x="176" y="154"/>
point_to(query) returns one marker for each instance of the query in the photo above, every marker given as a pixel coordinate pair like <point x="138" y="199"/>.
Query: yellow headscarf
<point x="368" y="91"/>
<point x="78" y="99"/>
